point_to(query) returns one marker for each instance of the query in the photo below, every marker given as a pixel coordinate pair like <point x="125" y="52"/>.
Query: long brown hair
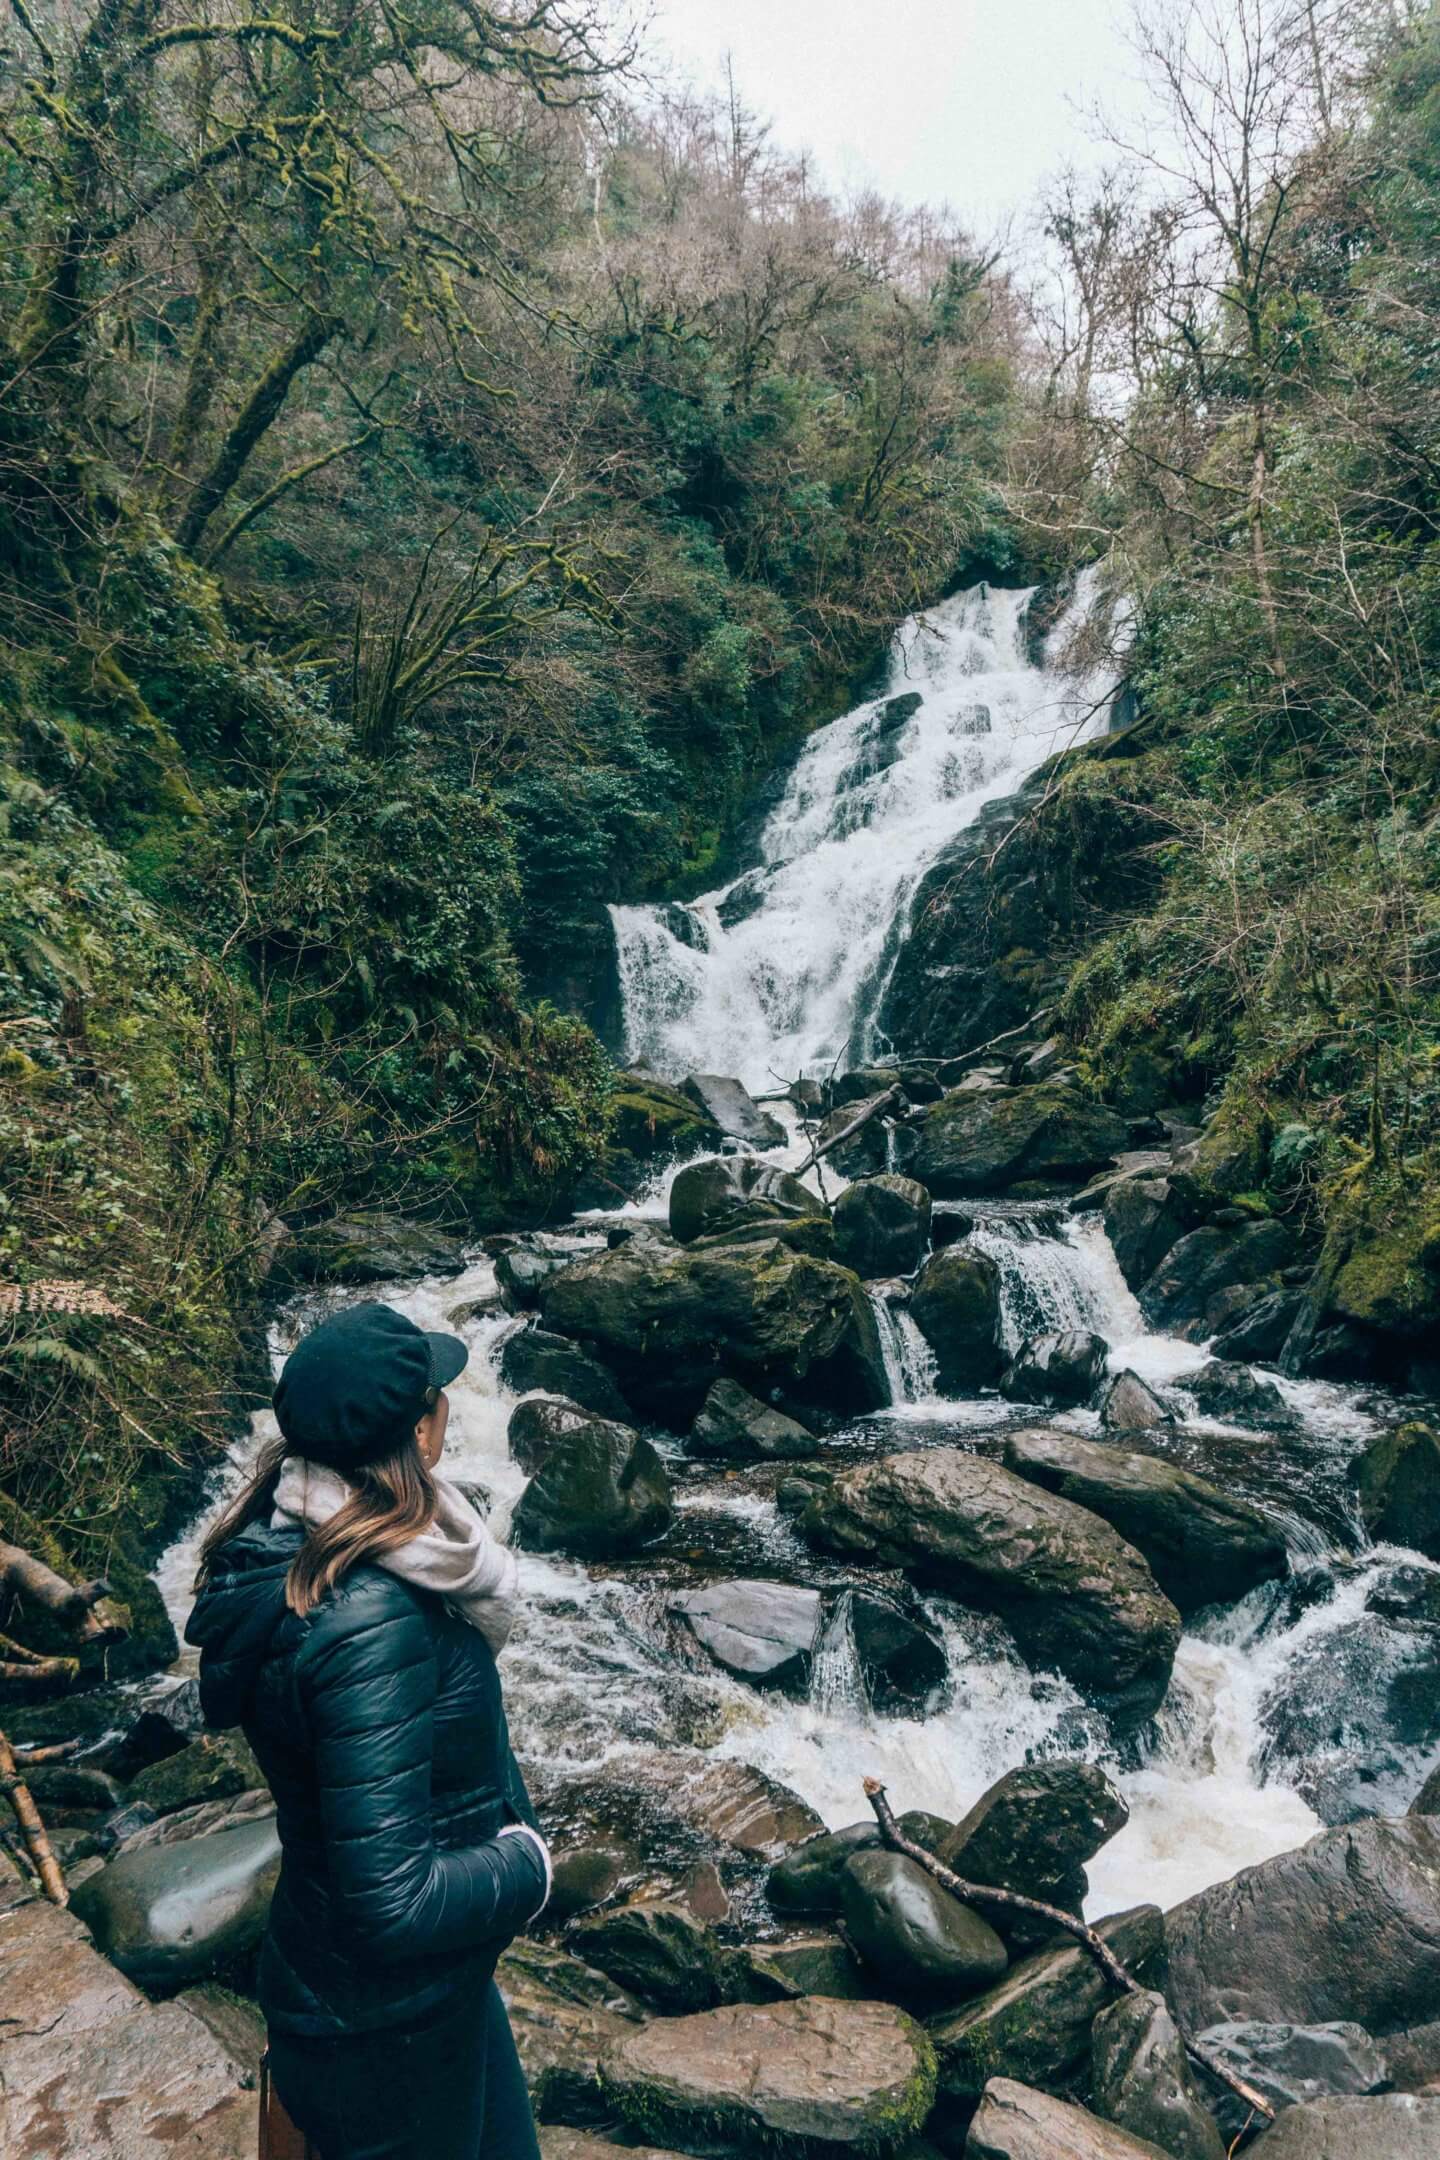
<point x="394" y="1499"/>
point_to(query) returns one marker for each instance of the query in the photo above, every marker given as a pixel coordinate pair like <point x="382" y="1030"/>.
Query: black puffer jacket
<point x="378" y="1722"/>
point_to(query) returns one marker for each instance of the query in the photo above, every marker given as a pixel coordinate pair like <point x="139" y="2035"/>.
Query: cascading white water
<point x="782" y="971"/>
<point x="909" y="1360"/>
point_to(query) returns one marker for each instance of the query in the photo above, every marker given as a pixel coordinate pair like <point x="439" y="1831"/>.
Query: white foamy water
<point x="782" y="971"/>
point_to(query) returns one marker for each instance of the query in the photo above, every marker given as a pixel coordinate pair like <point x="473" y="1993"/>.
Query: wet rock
<point x="1034" y="2024"/>
<point x="1062" y="1370"/>
<point x="216" y="1766"/>
<point x="809" y="1879"/>
<point x="731" y="1106"/>
<point x="1205" y="1546"/>
<point x="1290" y="2064"/>
<point x="763" y="1632"/>
<point x="168" y="1915"/>
<point x="522" y="1273"/>
<point x="802" y="1965"/>
<point x="1427" y="1800"/>
<point x="670" y="1321"/>
<point x="1141" y="2079"/>
<point x="1144" y="1218"/>
<point x="1221" y="1389"/>
<point x="564" y="2015"/>
<point x="1041" y="1063"/>
<point x="984" y="1142"/>
<point x="1015" y="2122"/>
<point x="558" y="2143"/>
<point x="864" y="1153"/>
<point x="1256" y="1333"/>
<point x="1073" y="1593"/>
<point x="956" y="1306"/>
<point x="534" y="1359"/>
<point x="727" y="1804"/>
<point x="1391" y="2126"/>
<point x="1034" y="1829"/>
<point x="1346" y="1928"/>
<point x="539" y="1422"/>
<point x="134" y="1827"/>
<point x="863" y="1084"/>
<point x="915" y="1936"/>
<point x="233" y="2019"/>
<point x="735" y="1192"/>
<point x="1399" y="1483"/>
<point x="1353" y="1715"/>
<point x="600" y="1490"/>
<point x="900" y="1652"/>
<point x="1179" y="1296"/>
<point x="658" y="1951"/>
<point x="814" y="2076"/>
<point x="1128" y="1405"/>
<point x="584" y="1877"/>
<point x="882" y="1226"/>
<point x="72" y="1785"/>
<point x="650" y="1123"/>
<point x="735" y="1426"/>
<point x="371" y="1245"/>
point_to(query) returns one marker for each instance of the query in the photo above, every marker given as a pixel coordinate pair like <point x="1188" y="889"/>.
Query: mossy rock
<point x="150" y="1643"/>
<point x="1399" y="1480"/>
<point x="1389" y="1281"/>
<point x="214" y="1766"/>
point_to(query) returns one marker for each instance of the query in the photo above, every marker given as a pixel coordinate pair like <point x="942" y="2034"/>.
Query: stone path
<point x="90" y="2069"/>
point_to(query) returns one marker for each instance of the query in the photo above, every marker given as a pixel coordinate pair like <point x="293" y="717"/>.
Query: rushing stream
<point x="1283" y="1708"/>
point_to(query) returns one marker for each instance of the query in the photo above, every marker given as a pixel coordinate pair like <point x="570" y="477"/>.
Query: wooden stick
<point x="32" y="1674"/>
<point x="871" y="1110"/>
<point x="1013" y="1901"/>
<point x="32" y="1829"/>
<point x="55" y="1751"/>
<point x="72" y="1603"/>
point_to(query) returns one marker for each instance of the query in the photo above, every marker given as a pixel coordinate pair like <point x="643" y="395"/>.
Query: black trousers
<point x="449" y="2089"/>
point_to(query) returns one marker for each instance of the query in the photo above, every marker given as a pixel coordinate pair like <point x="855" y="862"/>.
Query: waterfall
<point x="782" y="971"/>
<point x="909" y="1360"/>
<point x="1057" y="1272"/>
<point x="837" y="1685"/>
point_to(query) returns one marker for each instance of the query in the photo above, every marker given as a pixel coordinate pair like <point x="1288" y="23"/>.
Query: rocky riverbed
<point x="956" y="1479"/>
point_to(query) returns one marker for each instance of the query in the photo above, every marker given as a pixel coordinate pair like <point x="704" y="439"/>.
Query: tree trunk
<point x="256" y="415"/>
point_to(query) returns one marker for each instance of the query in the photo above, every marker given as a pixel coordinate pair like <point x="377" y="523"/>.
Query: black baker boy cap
<point x="358" y="1384"/>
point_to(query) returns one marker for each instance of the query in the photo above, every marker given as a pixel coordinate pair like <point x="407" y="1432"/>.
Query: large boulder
<point x="916" y="1937"/>
<point x="657" y="1950"/>
<point x="707" y="1804"/>
<point x="1347" y="1927"/>
<point x="735" y="1192"/>
<point x="899" y="1649"/>
<point x="816" y="2076"/>
<point x="213" y="1766"/>
<point x="1128" y="1405"/>
<point x="956" y="1306"/>
<point x="763" y="1632"/>
<point x="1185" y="1294"/>
<point x="600" y="1490"/>
<point x="564" y="2015"/>
<point x="671" y="1320"/>
<point x="1073" y="1593"/>
<point x="1290" y="2064"/>
<point x="1256" y="1332"/>
<point x="986" y="1140"/>
<point x="882" y="1226"/>
<point x="168" y="1915"/>
<point x="373" y="1245"/>
<point x="1060" y="1369"/>
<point x="1144" y="1217"/>
<point x="732" y="1425"/>
<point x="1034" y="2024"/>
<point x="1033" y="1831"/>
<point x="1398" y="1476"/>
<point x="1391" y="2126"/>
<point x="731" y="1106"/>
<point x="538" y="1423"/>
<point x="650" y="1123"/>
<point x="533" y="1360"/>
<point x="1205" y="1546"/>
<point x="1140" y="2077"/>
<point x="522" y="1270"/>
<point x="1015" y="2122"/>
<point x="864" y="1153"/>
<point x="1223" y="1389"/>
<point x="810" y="1879"/>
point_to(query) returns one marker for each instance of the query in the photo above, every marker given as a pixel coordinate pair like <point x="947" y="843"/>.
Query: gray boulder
<point x="1034" y="2024"/>
<point x="811" y="1877"/>
<point x="600" y="1490"/>
<point x="1346" y="1928"/>
<point x="862" y="1084"/>
<point x="671" y="1320"/>
<point x="1179" y="1297"/>
<point x="763" y="1632"/>
<point x="564" y="2015"/>
<point x="1144" y="1217"/>
<point x="986" y="1140"/>
<point x="864" y="1153"/>
<point x="917" y="1937"/>
<point x="541" y="1421"/>
<point x="1205" y="1546"/>
<point x="1033" y="1830"/>
<point x="1256" y="1332"/>
<point x="1399" y="1480"/>
<point x="900" y="1651"/>
<point x="1427" y="1800"/>
<point x="372" y="1245"/>
<point x="1061" y="1369"/>
<point x="1015" y="2122"/>
<point x="731" y="1106"/>
<point x="725" y="1193"/>
<point x="956" y="1306"/>
<point x="1140" y="2077"/>
<point x="1222" y="1389"/>
<point x="168" y="1915"/>
<point x="658" y="1951"/>
<point x="535" y="1360"/>
<point x="522" y="1273"/>
<point x="1128" y="1405"/>
<point x="1073" y="1593"/>
<point x="813" y="2077"/>
<point x="733" y="1425"/>
<point x="1391" y="2126"/>
<point x="882" y="1226"/>
<point x="213" y="1766"/>
<point x="1292" y="2064"/>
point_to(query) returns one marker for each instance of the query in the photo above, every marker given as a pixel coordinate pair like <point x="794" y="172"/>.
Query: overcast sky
<point x="967" y="101"/>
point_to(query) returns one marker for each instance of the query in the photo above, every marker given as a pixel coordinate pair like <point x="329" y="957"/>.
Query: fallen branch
<point x="848" y="1132"/>
<point x="1036" y="1909"/>
<point x="26" y="1672"/>
<point x="73" y="1604"/>
<point x="32" y="1829"/>
<point x="52" y="1751"/>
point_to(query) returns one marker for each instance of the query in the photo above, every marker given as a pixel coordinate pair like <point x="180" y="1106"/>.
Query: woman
<point x="350" y="1607"/>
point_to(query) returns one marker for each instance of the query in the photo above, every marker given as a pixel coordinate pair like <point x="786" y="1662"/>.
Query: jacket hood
<point x="237" y="1616"/>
